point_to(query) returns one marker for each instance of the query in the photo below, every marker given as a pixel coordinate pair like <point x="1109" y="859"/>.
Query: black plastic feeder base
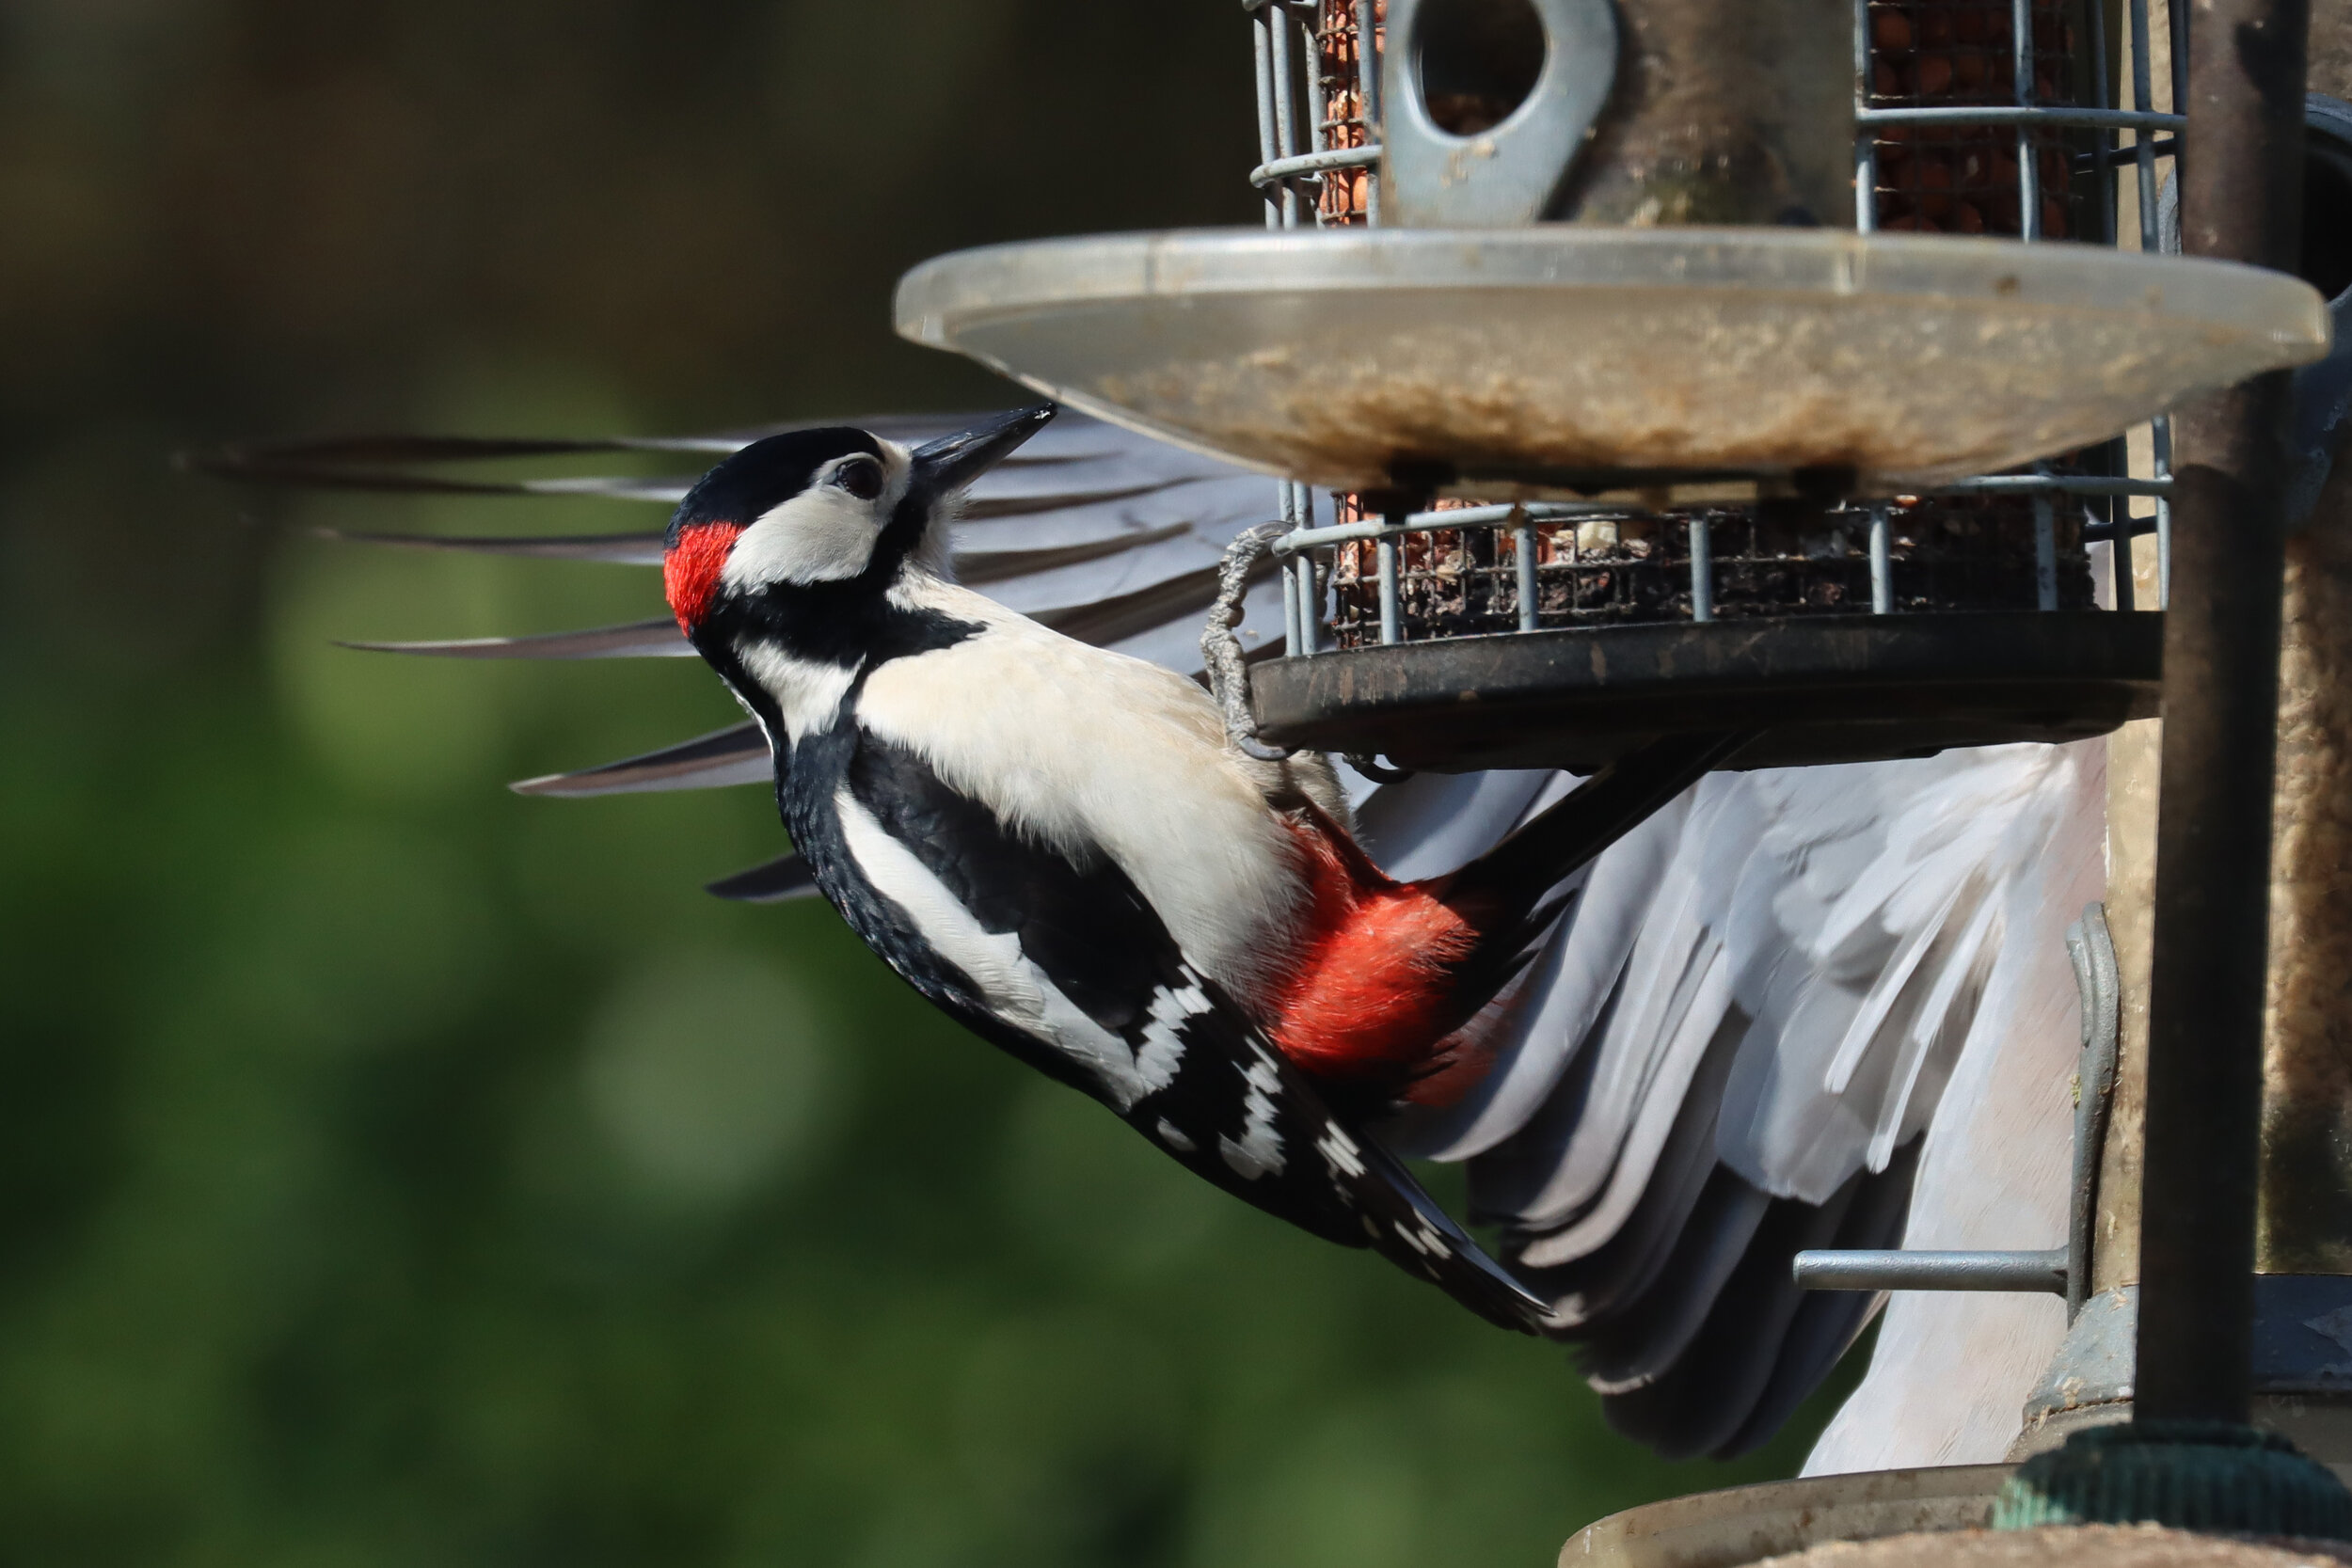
<point x="1819" y="689"/>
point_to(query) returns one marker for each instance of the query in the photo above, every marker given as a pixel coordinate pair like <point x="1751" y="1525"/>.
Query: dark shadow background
<point x="393" y="1170"/>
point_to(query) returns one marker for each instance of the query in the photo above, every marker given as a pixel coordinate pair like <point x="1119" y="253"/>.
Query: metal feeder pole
<point x="2241" y="200"/>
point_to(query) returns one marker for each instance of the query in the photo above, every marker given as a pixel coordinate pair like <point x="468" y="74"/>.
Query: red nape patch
<point x="690" y="570"/>
<point x="1369" y="998"/>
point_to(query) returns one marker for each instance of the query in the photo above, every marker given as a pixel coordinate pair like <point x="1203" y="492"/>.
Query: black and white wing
<point x="1067" y="966"/>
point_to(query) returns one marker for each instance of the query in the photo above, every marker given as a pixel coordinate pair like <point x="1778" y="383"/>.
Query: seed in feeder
<point x="1931" y="74"/>
<point x="1973" y="71"/>
<point x="1883" y="81"/>
<point x="2053" y="217"/>
<point x="1889" y="28"/>
<point x="1936" y="28"/>
<point x="1598" y="534"/>
<point x="1966" y="219"/>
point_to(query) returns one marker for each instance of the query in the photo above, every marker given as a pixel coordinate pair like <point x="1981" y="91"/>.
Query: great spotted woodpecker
<point x="1058" y="846"/>
<point x="1725" y="1051"/>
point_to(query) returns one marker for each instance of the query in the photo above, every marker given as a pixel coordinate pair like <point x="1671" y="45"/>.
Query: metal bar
<point x="2116" y="157"/>
<point x="2064" y="484"/>
<point x="1882" y="562"/>
<point x="1865" y="146"/>
<point x="1702" y="570"/>
<point x="2115" y="525"/>
<point x="1294" y="612"/>
<point x="2177" y="31"/>
<point x="2131" y="528"/>
<point x="2160" y="440"/>
<point x="2241" y="201"/>
<point x="2098" y="992"/>
<point x="1309" y="610"/>
<point x="1313" y="162"/>
<point x="1997" y="113"/>
<point x="2021" y="86"/>
<point x="1313" y="34"/>
<point x="1279" y="28"/>
<point x="1468" y="517"/>
<point x="2045" y="553"/>
<point x="2143" y="151"/>
<point x="1825" y="1270"/>
<point x="1385" y="552"/>
<point x="1262" y="35"/>
<point x="2103" y="96"/>
<point x="1368" y="98"/>
<point x="1523" y="553"/>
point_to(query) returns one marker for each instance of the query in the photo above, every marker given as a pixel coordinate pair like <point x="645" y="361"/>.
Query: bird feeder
<point x="1682" y="366"/>
<point x="1753" y="367"/>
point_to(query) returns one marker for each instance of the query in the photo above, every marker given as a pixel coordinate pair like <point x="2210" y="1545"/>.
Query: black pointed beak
<point x="947" y="465"/>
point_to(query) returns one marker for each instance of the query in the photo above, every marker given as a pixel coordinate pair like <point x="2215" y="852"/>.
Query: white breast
<point x="1093" y="753"/>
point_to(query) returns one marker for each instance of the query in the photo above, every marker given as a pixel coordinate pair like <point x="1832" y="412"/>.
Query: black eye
<point x="860" y="476"/>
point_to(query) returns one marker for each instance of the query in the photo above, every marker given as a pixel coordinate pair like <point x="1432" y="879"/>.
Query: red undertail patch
<point x="1369" y="997"/>
<point x="690" y="569"/>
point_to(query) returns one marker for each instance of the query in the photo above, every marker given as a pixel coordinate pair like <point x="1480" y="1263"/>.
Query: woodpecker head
<point x="823" y="513"/>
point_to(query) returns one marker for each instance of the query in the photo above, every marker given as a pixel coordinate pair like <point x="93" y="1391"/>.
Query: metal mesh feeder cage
<point x="1606" y="409"/>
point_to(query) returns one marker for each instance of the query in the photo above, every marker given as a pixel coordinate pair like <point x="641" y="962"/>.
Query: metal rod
<point x="2116" y="157"/>
<point x="1882" y="562"/>
<point x="2143" y="151"/>
<point x="1316" y="132"/>
<point x="2040" y="1271"/>
<point x="2103" y="96"/>
<point x="1368" y="100"/>
<point x="2067" y="484"/>
<point x="1279" y="28"/>
<point x="1313" y="162"/>
<point x="1310" y="613"/>
<point x="2045" y="553"/>
<point x="2160" y="440"/>
<point x="2241" y="200"/>
<point x="1468" y="517"/>
<point x="1385" y="554"/>
<point x="1294" y="612"/>
<point x="1702" y="570"/>
<point x="1865" y="146"/>
<point x="2021" y="83"/>
<point x="2001" y="114"/>
<point x="1262" y="35"/>
<point x="1523" y="557"/>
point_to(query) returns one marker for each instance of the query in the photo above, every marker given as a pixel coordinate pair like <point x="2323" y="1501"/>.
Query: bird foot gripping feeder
<point x="1696" y="366"/>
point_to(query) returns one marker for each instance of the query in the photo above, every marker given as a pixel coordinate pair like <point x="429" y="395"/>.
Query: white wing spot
<point x="1259" y="1150"/>
<point x="1422" y="1239"/>
<point x="1339" y="1153"/>
<point x="1163" y="1048"/>
<point x="1175" y="1139"/>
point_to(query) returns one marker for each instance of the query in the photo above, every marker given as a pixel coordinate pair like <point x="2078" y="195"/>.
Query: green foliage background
<point x="396" y="1171"/>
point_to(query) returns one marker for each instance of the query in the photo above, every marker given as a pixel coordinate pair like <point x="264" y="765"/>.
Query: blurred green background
<point x="393" y="1170"/>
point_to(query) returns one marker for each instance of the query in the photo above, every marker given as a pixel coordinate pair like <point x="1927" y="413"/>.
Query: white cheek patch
<point x="823" y="534"/>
